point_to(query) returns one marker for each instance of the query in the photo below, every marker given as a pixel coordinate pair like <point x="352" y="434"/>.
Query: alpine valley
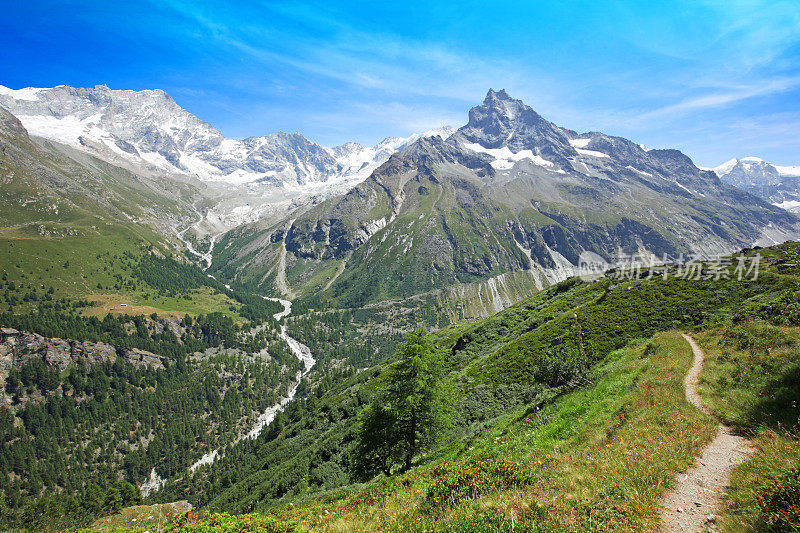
<point x="292" y="337"/>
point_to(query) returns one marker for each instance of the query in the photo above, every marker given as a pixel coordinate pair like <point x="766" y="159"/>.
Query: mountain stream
<point x="300" y="350"/>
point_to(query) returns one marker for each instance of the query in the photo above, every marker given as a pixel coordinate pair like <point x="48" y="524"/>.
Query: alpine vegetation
<point x="250" y="281"/>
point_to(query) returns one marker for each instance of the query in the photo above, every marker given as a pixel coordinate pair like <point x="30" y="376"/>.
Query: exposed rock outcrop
<point x="16" y="351"/>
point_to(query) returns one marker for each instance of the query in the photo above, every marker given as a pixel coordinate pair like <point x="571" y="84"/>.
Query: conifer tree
<point x="409" y="412"/>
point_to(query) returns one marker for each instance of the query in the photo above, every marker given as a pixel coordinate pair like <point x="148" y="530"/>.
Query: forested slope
<point x="534" y="369"/>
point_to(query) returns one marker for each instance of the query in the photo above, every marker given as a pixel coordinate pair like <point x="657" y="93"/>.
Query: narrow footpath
<point x="700" y="492"/>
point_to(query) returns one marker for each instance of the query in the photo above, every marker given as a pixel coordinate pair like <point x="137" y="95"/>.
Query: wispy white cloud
<point x="717" y="99"/>
<point x="712" y="55"/>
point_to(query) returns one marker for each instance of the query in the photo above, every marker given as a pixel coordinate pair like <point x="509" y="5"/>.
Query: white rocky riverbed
<point x="302" y="352"/>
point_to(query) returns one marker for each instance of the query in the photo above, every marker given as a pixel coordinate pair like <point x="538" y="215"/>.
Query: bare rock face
<point x="15" y="352"/>
<point x="94" y="352"/>
<point x="10" y="126"/>
<point x="173" y="325"/>
<point x="6" y="357"/>
<point x="28" y="345"/>
<point x="139" y="357"/>
<point x="58" y="352"/>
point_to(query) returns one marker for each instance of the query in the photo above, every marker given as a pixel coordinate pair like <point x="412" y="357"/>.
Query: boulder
<point x="139" y="357"/>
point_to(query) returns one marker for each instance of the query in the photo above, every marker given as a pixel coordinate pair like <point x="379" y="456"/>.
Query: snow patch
<point x="29" y="94"/>
<point x="789" y="205"/>
<point x="682" y="186"/>
<point x="504" y="158"/>
<point x="725" y="167"/>
<point x="579" y="143"/>
<point x="791" y="170"/>
<point x="67" y="130"/>
<point x="642" y="172"/>
<point x="590" y="153"/>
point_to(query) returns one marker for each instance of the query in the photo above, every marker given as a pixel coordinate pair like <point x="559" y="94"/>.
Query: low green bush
<point x="454" y="483"/>
<point x="779" y="502"/>
<point x="756" y="336"/>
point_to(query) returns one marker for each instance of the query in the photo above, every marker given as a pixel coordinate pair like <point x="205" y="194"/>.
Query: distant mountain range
<point x="509" y="201"/>
<point x="779" y="185"/>
<point x="148" y="133"/>
<point x="150" y="129"/>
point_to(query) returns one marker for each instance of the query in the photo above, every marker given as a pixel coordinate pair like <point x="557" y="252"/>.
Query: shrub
<point x="454" y="483"/>
<point x="779" y="502"/>
<point x="756" y="336"/>
<point x="225" y="523"/>
<point x="783" y="309"/>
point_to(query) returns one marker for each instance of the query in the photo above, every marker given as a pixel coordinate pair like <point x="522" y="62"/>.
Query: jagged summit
<point x="502" y="121"/>
<point x="496" y="95"/>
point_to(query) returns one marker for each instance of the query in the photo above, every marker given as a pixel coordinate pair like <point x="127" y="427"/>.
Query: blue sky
<point x="716" y="79"/>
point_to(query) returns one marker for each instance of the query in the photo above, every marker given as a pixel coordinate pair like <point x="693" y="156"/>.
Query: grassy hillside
<point x="569" y="412"/>
<point x="752" y="382"/>
<point x="570" y="416"/>
<point x="73" y="226"/>
<point x="597" y="458"/>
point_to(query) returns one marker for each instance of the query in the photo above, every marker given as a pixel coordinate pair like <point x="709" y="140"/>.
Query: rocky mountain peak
<point x="500" y="116"/>
<point x="498" y="95"/>
<point x="747" y="172"/>
<point x="504" y="121"/>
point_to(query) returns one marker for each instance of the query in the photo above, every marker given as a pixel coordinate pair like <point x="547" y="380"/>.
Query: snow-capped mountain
<point x="149" y="129"/>
<point x="357" y="160"/>
<point x="508" y="200"/>
<point x="749" y="171"/>
<point x="779" y="185"/>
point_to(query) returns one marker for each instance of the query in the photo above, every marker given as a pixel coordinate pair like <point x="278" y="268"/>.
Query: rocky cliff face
<point x="16" y="350"/>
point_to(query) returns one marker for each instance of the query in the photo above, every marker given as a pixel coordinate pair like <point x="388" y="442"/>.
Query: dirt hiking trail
<point x="700" y="491"/>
